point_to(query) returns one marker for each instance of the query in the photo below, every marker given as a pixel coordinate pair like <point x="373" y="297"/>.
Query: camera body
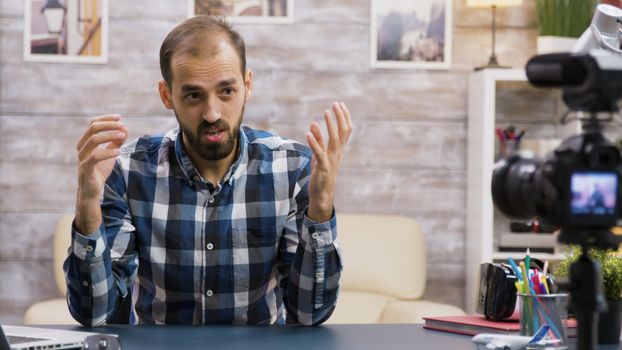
<point x="578" y="186"/>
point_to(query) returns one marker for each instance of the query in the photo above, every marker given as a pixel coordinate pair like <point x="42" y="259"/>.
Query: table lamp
<point x="493" y="4"/>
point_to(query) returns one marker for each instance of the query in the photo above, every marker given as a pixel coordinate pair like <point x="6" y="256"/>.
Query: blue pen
<point x="516" y="269"/>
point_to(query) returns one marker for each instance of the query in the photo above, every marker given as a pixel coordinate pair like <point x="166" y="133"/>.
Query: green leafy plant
<point x="610" y="264"/>
<point x="567" y="18"/>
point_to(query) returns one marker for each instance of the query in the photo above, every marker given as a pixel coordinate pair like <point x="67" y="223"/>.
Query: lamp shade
<point x="489" y="3"/>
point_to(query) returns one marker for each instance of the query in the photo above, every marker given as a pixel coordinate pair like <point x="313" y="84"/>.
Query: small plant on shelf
<point x="565" y="18"/>
<point x="611" y="266"/>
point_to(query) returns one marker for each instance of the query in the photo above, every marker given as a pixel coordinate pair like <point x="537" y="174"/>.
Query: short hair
<point x="185" y="37"/>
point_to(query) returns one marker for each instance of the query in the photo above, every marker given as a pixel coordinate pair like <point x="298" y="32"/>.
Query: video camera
<point x="578" y="187"/>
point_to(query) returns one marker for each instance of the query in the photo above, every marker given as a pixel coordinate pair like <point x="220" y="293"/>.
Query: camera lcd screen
<point x="594" y="193"/>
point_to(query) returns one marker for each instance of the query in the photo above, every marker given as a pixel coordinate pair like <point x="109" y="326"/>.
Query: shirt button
<point x="318" y="275"/>
<point x="209" y="293"/>
<point x="85" y="283"/>
<point x="211" y="200"/>
<point x="315" y="235"/>
<point x="210" y="246"/>
<point x="89" y="248"/>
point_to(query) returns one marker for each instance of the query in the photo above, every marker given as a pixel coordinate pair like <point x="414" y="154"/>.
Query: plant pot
<point x="610" y="323"/>
<point x="552" y="44"/>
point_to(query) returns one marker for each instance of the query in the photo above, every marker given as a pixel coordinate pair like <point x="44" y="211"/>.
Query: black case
<point x="496" y="298"/>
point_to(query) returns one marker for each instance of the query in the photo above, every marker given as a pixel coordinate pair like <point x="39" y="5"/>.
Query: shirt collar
<point x="191" y="172"/>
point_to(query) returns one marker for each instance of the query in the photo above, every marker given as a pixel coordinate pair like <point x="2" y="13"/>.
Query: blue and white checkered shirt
<point x="241" y="252"/>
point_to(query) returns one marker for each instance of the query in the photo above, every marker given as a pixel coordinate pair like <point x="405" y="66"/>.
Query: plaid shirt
<point x="241" y="252"/>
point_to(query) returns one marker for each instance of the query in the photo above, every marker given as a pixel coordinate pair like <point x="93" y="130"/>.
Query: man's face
<point x="208" y="95"/>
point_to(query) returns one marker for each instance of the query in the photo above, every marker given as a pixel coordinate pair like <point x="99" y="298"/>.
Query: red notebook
<point x="475" y="324"/>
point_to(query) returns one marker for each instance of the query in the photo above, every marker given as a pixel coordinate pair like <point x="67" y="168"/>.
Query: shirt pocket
<point x="256" y="248"/>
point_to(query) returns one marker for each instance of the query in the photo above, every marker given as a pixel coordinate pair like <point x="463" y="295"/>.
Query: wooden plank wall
<point x="407" y="155"/>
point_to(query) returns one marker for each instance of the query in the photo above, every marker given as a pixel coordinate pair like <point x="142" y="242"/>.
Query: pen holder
<point x="540" y="309"/>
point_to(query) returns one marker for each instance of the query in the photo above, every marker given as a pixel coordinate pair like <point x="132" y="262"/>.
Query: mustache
<point x="218" y="125"/>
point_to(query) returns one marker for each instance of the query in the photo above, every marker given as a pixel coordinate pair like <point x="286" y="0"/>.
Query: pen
<point x="537" y="284"/>
<point x="527" y="260"/>
<point x="546" y="267"/>
<point x="500" y="134"/>
<point x="519" y="287"/>
<point x="525" y="278"/>
<point x="520" y="135"/>
<point x="546" y="285"/>
<point x="515" y="268"/>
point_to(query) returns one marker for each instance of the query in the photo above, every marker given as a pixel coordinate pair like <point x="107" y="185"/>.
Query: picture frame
<point x="411" y="34"/>
<point x="245" y="11"/>
<point x="72" y="31"/>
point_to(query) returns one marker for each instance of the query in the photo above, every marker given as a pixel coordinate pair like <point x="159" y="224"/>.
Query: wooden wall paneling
<point x="11" y="8"/>
<point x="27" y="236"/>
<point x="472" y="47"/>
<point x="445" y="284"/>
<point x="421" y="191"/>
<point x="444" y="237"/>
<point x="523" y="16"/>
<point x="148" y="9"/>
<point x="379" y="94"/>
<point x="78" y="89"/>
<point x="24" y="283"/>
<point x="303" y="46"/>
<point x="52" y="139"/>
<point x="336" y="11"/>
<point x="391" y="143"/>
<point x="43" y="188"/>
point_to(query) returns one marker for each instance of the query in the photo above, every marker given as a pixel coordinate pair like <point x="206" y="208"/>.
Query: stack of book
<point x="476" y="324"/>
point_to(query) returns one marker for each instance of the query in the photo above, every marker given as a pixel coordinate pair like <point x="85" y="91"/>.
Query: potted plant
<point x="611" y="268"/>
<point x="561" y="22"/>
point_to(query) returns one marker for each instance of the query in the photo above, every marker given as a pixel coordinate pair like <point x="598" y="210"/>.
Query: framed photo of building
<point x="66" y="31"/>
<point x="245" y="11"/>
<point x="411" y="34"/>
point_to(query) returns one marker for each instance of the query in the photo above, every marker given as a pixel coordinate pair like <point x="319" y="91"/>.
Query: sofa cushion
<point x="413" y="311"/>
<point x="358" y="307"/>
<point x="54" y="311"/>
<point x="383" y="254"/>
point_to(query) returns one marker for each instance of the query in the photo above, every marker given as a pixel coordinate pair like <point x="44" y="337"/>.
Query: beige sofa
<point x="382" y="282"/>
<point x="384" y="272"/>
<point x="55" y="311"/>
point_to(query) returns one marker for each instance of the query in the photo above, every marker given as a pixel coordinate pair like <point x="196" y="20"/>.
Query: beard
<point x="212" y="151"/>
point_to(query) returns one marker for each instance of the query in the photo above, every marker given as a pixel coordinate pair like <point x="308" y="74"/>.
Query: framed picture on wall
<point x="411" y="34"/>
<point x="66" y="31"/>
<point x="245" y="11"/>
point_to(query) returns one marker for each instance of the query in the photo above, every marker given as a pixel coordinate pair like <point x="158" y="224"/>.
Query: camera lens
<point x="514" y="187"/>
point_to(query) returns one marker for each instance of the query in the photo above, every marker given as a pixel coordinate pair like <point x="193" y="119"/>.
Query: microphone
<point x="556" y="70"/>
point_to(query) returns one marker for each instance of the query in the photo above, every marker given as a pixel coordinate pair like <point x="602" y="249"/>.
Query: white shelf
<point x="480" y="239"/>
<point x="503" y="256"/>
<point x="517" y="240"/>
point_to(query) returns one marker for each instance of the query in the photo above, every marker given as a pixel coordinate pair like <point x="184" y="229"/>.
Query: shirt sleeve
<point x="310" y="266"/>
<point x="102" y="264"/>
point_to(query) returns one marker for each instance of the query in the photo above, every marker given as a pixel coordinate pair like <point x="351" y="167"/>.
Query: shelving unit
<point x="480" y="237"/>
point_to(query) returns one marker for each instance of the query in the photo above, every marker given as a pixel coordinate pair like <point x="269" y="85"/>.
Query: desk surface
<point x="337" y="336"/>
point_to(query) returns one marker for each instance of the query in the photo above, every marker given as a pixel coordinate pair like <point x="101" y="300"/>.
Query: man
<point x="211" y="222"/>
<point x="596" y="202"/>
